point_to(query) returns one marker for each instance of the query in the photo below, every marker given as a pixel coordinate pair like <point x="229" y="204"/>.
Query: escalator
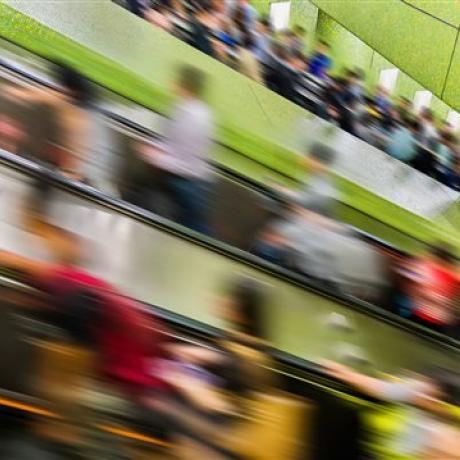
<point x="161" y="263"/>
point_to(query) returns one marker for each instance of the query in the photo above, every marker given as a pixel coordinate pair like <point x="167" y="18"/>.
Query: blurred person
<point x="138" y="7"/>
<point x="428" y="432"/>
<point x="432" y="288"/>
<point x="158" y="16"/>
<point x="245" y="15"/>
<point x="446" y="153"/>
<point x="382" y="100"/>
<point x="302" y="239"/>
<point x="11" y="134"/>
<point x="428" y="133"/>
<point x="228" y="34"/>
<point x="72" y="109"/>
<point x="280" y="77"/>
<point x="402" y="142"/>
<point x="184" y="159"/>
<point x="247" y="62"/>
<point x="320" y="62"/>
<point x="297" y="61"/>
<point x="404" y="108"/>
<point x="214" y="385"/>
<point x="353" y="89"/>
<point x="298" y="39"/>
<point x="199" y="33"/>
<point x="221" y="53"/>
<point x="263" y="39"/>
<point x="95" y="315"/>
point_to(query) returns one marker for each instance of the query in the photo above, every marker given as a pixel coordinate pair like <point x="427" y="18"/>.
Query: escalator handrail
<point x="31" y="168"/>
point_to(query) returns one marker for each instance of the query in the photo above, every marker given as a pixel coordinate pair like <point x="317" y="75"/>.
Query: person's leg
<point x="192" y="198"/>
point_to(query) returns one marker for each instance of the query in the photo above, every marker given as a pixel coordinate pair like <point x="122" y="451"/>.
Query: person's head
<point x="404" y="103"/>
<point x="247" y="41"/>
<point x="280" y="51"/>
<point x="448" y="139"/>
<point x="413" y="125"/>
<point x="298" y="60"/>
<point x="351" y="77"/>
<point x="242" y="307"/>
<point x="263" y="26"/>
<point x="299" y="31"/>
<point x="381" y="91"/>
<point x="321" y="157"/>
<point x="322" y="47"/>
<point x="360" y="75"/>
<point x="77" y="87"/>
<point x="191" y="82"/>
<point x="427" y="115"/>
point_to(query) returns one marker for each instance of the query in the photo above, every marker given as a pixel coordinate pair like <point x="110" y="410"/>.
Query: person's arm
<point x="364" y="383"/>
<point x="32" y="94"/>
<point x="195" y="354"/>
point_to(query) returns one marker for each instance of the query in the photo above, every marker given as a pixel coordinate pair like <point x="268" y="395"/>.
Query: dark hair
<point x="265" y="21"/>
<point x="324" y="43"/>
<point x="75" y="82"/>
<point x="299" y="29"/>
<point x="248" y="297"/>
<point x="192" y="80"/>
<point x="448" y="137"/>
<point x="322" y="153"/>
<point x="413" y="124"/>
<point x="77" y="312"/>
<point x="247" y="40"/>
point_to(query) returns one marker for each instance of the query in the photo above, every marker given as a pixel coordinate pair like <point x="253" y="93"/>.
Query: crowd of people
<point x="235" y="34"/>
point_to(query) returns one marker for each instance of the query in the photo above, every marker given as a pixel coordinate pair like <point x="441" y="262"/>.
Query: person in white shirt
<point x="184" y="157"/>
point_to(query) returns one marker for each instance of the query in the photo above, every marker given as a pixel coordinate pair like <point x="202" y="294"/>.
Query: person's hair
<point x="193" y="80"/>
<point x="323" y="154"/>
<point x="351" y="73"/>
<point x="413" y="124"/>
<point x="297" y="54"/>
<point x="324" y="43"/>
<point x="248" y="300"/>
<point x="447" y="137"/>
<point x="265" y="21"/>
<point x="73" y="81"/>
<point x="280" y="50"/>
<point x="247" y="40"/>
<point x="299" y="30"/>
<point x="360" y="74"/>
<point x="404" y="99"/>
<point x="428" y="114"/>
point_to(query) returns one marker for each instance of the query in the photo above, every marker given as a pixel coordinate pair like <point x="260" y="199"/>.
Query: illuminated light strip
<point x="27" y="408"/>
<point x="133" y="435"/>
<point x="107" y="428"/>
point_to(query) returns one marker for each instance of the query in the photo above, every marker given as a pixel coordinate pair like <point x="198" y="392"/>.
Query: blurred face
<point x="225" y="309"/>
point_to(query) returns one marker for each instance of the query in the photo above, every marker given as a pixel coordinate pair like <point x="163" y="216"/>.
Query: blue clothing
<point x="383" y="104"/>
<point x="192" y="199"/>
<point x="402" y="145"/>
<point x="319" y="65"/>
<point x="445" y="156"/>
<point x="226" y="38"/>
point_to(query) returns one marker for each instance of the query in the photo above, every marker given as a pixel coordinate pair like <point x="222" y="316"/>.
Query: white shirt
<point x="189" y="135"/>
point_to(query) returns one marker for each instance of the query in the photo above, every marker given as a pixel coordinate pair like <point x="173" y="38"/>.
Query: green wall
<point x="413" y="35"/>
<point x="350" y="51"/>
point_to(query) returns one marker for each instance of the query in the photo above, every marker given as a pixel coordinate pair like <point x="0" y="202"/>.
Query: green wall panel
<point x="417" y="43"/>
<point x="445" y="10"/>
